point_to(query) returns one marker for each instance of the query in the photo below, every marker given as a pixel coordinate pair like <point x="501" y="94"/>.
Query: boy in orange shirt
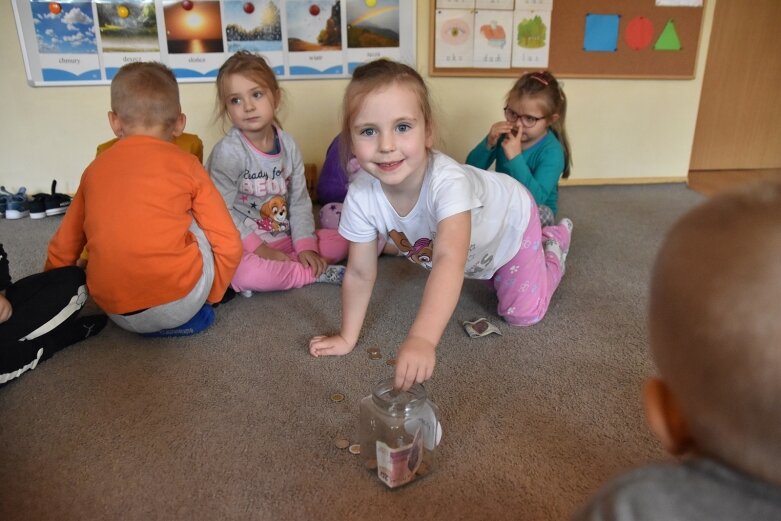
<point x="162" y="244"/>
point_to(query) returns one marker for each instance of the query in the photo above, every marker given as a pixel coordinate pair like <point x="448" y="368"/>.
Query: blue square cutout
<point x="601" y="33"/>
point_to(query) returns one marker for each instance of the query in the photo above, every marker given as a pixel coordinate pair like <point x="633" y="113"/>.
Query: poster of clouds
<point x="68" y="28"/>
<point x="85" y="42"/>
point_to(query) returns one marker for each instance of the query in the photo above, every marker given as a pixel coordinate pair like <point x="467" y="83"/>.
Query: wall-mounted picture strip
<point x="85" y="42"/>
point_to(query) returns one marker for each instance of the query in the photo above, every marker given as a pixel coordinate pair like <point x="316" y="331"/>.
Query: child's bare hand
<point x="5" y="309"/>
<point x="512" y="145"/>
<point x="497" y="129"/>
<point x="415" y="362"/>
<point x="329" y="346"/>
<point x="267" y="252"/>
<point x="313" y="260"/>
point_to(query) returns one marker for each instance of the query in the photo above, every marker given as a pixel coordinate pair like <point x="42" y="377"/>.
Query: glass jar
<point x="399" y="433"/>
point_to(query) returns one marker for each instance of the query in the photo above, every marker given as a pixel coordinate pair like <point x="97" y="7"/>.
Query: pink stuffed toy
<point x="330" y="215"/>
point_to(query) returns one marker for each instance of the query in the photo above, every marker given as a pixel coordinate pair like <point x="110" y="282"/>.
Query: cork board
<point x="649" y="41"/>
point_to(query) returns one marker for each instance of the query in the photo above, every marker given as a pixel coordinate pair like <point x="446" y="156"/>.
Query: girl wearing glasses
<point x="530" y="144"/>
<point x="455" y="220"/>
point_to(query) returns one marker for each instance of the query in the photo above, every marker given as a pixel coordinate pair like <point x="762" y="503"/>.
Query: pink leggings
<point x="525" y="284"/>
<point x="257" y="274"/>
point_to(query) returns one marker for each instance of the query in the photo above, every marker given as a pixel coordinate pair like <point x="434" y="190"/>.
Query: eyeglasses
<point x="526" y="120"/>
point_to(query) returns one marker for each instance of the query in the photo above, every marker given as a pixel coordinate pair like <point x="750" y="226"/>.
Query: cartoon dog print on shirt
<point x="273" y="215"/>
<point x="422" y="252"/>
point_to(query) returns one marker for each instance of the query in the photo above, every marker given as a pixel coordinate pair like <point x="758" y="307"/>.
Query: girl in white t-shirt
<point x="455" y="220"/>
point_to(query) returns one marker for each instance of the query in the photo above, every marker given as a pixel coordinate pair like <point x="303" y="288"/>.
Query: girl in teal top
<point x="530" y="144"/>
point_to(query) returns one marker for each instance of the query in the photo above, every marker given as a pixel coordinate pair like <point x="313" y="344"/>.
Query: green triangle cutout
<point x="668" y="40"/>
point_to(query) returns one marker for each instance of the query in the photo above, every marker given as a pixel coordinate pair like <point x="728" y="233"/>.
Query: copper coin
<point x="341" y="443"/>
<point x="337" y="397"/>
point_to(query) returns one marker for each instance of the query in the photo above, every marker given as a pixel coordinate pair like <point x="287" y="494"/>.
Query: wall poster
<point x="83" y="42"/>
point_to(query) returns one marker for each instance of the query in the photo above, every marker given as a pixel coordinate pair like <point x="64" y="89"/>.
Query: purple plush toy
<point x="330" y="215"/>
<point x="333" y="180"/>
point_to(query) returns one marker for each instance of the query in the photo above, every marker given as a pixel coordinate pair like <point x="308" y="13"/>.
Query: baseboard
<point x="621" y="181"/>
<point x="710" y="182"/>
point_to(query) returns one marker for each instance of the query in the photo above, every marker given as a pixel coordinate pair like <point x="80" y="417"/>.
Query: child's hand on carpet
<point x="329" y="346"/>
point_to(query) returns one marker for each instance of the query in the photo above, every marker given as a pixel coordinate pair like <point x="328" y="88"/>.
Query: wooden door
<point x="739" y="120"/>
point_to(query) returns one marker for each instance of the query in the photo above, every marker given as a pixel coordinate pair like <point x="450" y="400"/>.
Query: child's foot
<point x="70" y="332"/>
<point x="551" y="246"/>
<point x="247" y="293"/>
<point x="200" y="322"/>
<point x="333" y="274"/>
<point x="79" y="329"/>
<point x="567" y="222"/>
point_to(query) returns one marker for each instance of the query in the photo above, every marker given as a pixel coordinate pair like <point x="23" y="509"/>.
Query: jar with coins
<point x="399" y="433"/>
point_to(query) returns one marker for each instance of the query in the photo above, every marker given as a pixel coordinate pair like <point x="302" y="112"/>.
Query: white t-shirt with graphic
<point x="499" y="204"/>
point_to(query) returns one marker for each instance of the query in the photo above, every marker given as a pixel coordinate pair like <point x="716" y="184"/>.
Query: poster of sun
<point x="85" y="42"/>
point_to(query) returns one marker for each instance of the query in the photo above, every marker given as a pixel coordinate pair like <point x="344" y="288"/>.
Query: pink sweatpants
<point x="525" y="285"/>
<point x="258" y="274"/>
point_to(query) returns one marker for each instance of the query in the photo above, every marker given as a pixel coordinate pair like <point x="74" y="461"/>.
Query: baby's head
<point x="251" y="66"/>
<point x="145" y="100"/>
<point x="375" y="76"/>
<point x="714" y="330"/>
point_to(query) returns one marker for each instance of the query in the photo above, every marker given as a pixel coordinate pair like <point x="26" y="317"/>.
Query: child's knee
<point x="524" y="314"/>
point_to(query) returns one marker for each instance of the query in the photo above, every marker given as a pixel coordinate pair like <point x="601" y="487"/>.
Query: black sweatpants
<point x="44" y="319"/>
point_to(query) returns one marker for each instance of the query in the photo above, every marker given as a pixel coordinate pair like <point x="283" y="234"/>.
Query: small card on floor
<point x="480" y="327"/>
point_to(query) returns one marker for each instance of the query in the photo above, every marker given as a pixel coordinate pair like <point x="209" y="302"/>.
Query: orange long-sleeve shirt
<point x="132" y="211"/>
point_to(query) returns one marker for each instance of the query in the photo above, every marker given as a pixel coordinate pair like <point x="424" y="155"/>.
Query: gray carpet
<point x="237" y="423"/>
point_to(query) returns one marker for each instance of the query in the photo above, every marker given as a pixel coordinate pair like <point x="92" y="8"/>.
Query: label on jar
<point x="398" y="466"/>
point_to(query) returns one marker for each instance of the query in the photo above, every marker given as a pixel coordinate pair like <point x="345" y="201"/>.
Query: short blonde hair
<point x="714" y="326"/>
<point x="146" y="94"/>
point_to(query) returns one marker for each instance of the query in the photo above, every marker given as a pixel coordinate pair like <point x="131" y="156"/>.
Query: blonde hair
<point x="253" y="67"/>
<point x="546" y="88"/>
<point x="379" y="75"/>
<point x="146" y="94"/>
<point x="714" y="326"/>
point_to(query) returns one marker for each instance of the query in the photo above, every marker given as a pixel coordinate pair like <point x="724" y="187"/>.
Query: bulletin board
<point x="572" y="38"/>
<point x="85" y="42"/>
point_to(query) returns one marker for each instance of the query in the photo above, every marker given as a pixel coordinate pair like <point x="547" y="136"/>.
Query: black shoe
<point x="38" y="206"/>
<point x="44" y="205"/>
<point x="56" y="204"/>
<point x="229" y="294"/>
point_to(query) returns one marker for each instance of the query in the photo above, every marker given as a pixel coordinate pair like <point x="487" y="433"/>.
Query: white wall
<point x="620" y="129"/>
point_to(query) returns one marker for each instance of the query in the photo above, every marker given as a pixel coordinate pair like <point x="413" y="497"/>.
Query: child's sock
<point x="551" y="246"/>
<point x="567" y="223"/>
<point x="200" y="322"/>
<point x="333" y="274"/>
<point x="247" y="293"/>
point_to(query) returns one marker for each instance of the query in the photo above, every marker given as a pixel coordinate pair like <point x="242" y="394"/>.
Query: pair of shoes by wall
<point x="47" y="205"/>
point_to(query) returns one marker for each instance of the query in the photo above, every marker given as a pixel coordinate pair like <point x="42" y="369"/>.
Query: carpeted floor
<point x="237" y="423"/>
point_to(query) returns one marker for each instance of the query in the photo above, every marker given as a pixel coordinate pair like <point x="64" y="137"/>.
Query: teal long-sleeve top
<point x="538" y="168"/>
